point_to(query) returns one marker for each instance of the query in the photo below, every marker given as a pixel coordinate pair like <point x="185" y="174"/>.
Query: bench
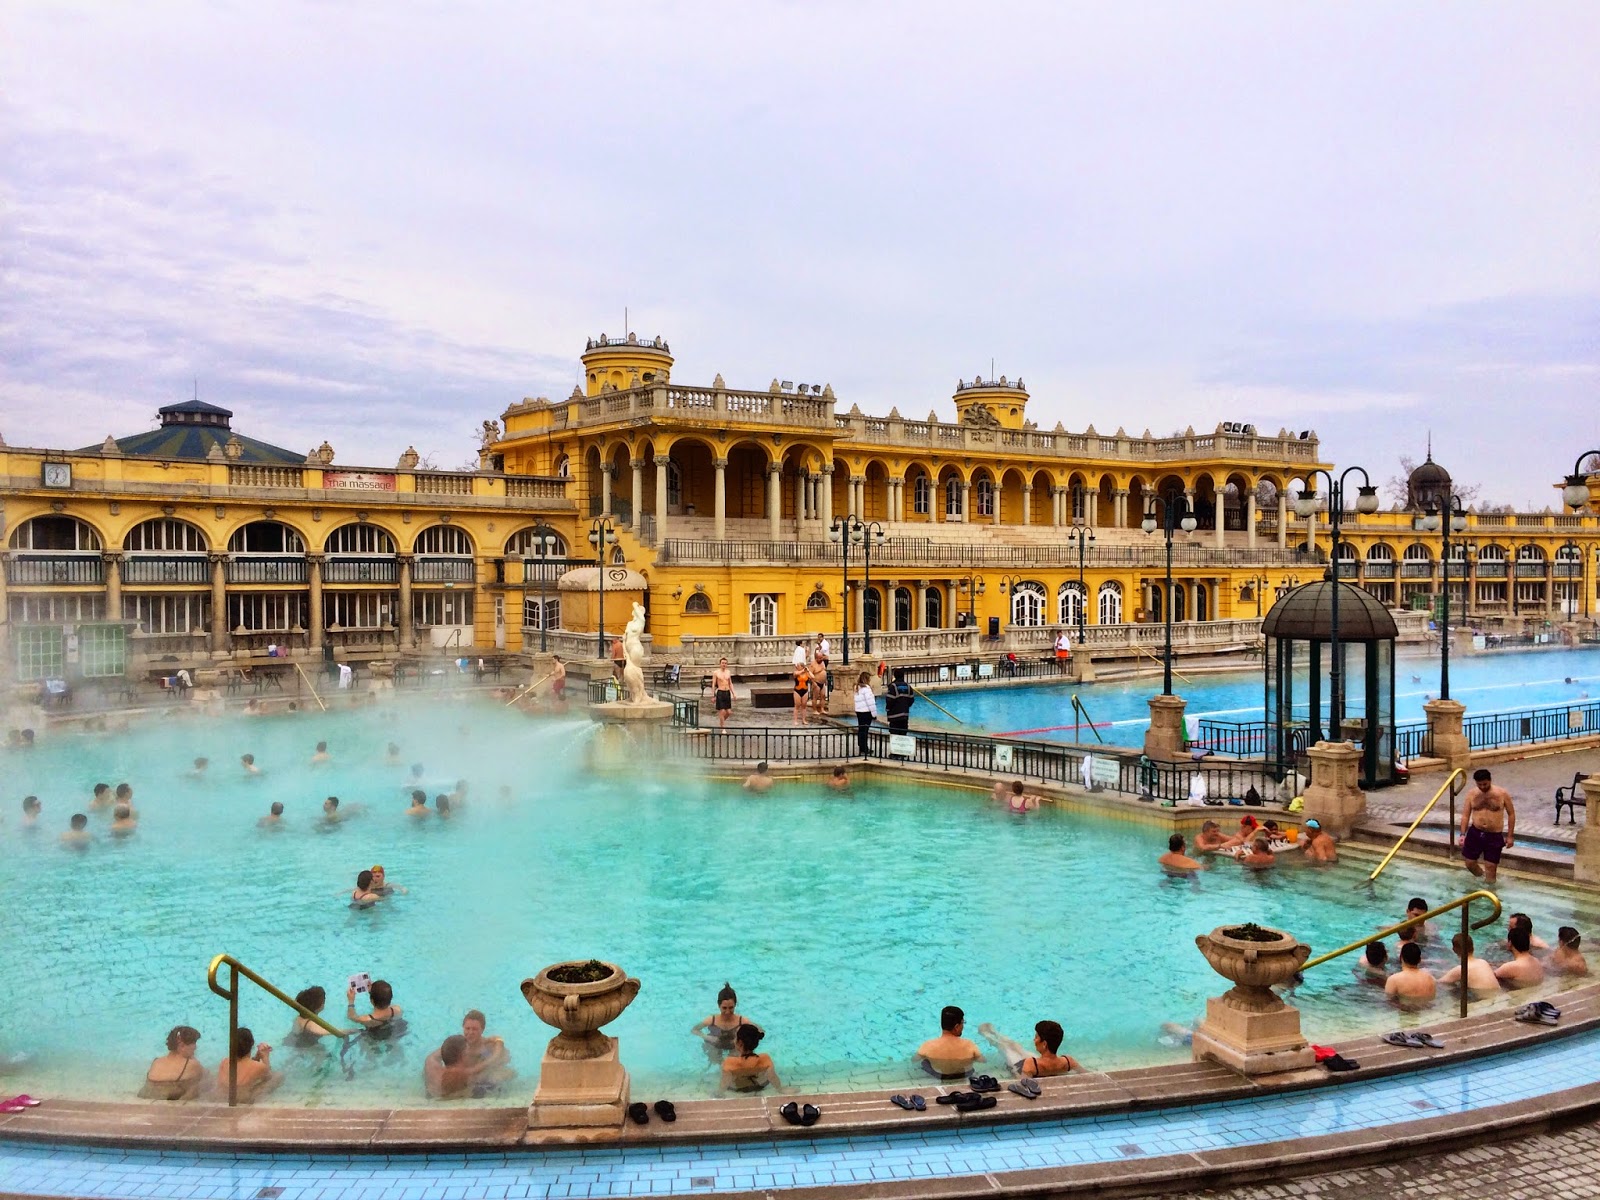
<point x="1571" y="799"/>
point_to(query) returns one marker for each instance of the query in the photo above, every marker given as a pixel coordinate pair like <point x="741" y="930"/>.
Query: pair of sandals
<point x="1414" y="1041"/>
<point x="640" y="1115"/>
<point x="984" y="1083"/>
<point x="968" y="1101"/>
<point x="800" y="1114"/>
<point x="1540" y="1012"/>
<point x="912" y="1103"/>
<point x="18" y="1103"/>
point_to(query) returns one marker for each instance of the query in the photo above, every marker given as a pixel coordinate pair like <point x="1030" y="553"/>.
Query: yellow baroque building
<point x="740" y="519"/>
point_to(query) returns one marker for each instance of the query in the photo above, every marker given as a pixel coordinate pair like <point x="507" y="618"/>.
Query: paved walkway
<point x="1549" y="1166"/>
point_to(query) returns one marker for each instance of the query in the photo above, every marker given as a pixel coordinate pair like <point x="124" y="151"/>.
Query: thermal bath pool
<point x="845" y="923"/>
<point x="1499" y="682"/>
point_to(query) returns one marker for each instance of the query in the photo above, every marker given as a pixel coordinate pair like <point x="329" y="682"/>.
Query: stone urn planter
<point x="1255" y="959"/>
<point x="577" y="998"/>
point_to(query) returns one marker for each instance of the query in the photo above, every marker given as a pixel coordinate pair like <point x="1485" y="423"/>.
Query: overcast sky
<point x="380" y="223"/>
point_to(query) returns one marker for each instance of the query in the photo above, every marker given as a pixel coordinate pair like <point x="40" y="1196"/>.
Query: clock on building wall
<point x="57" y="475"/>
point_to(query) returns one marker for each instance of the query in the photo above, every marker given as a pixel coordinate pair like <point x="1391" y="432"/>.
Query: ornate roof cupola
<point x="1428" y="484"/>
<point x="991" y="403"/>
<point x="614" y="364"/>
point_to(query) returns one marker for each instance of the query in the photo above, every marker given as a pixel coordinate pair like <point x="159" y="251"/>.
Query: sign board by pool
<point x="1002" y="758"/>
<point x="902" y="745"/>
<point x="372" y="481"/>
<point x="1105" y="769"/>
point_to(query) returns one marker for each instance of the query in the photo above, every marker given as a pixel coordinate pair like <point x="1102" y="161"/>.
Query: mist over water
<point x="845" y="923"/>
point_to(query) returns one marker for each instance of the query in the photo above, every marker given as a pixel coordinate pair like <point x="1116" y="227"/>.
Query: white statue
<point x="633" y="655"/>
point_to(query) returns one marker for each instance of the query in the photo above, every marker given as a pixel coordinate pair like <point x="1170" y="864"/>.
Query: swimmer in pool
<point x="1046" y="1059"/>
<point x="305" y="1034"/>
<point x="442" y="806"/>
<point x="1018" y="800"/>
<point x="330" y="811"/>
<point x="123" y="822"/>
<point x="363" y="896"/>
<point x="198" y="771"/>
<point x="746" y="1070"/>
<point x="322" y="755"/>
<point x="392" y="755"/>
<point x="248" y="762"/>
<point x="31" y="808"/>
<point x="445" y="1073"/>
<point x="381" y="882"/>
<point x="758" y="780"/>
<point x="125" y="796"/>
<point x="487" y="1057"/>
<point x="78" y="836"/>
<point x="949" y="1056"/>
<point x="255" y="1075"/>
<point x="102" y="797"/>
<point x="1173" y="862"/>
<point x="274" y="819"/>
<point x="1567" y="958"/>
<point x="419" y="805"/>
<point x="839" y="781"/>
<point x="175" y="1075"/>
<point x="380" y="1021"/>
<point x="718" y="1029"/>
<point x="1210" y="838"/>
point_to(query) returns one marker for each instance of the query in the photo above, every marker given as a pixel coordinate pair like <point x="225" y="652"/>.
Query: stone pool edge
<point x="310" y="1131"/>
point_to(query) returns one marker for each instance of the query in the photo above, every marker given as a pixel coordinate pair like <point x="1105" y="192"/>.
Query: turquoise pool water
<point x="845" y="923"/>
<point x="1485" y="683"/>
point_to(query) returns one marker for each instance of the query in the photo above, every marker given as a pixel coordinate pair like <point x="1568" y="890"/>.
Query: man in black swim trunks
<point x="1488" y="826"/>
<point x="722" y="685"/>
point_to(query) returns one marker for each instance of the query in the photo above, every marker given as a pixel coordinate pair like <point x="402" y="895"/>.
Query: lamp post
<point x="1257" y="584"/>
<point x="1306" y="503"/>
<point x="546" y="541"/>
<point x="1084" y="537"/>
<point x="1008" y="587"/>
<point x="1289" y="582"/>
<point x="973" y="587"/>
<point x="1576" y="491"/>
<point x="844" y="531"/>
<point x="1187" y="522"/>
<point x="602" y="533"/>
<point x="1452" y="520"/>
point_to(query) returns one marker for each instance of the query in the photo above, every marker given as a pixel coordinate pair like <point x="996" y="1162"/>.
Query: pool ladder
<point x="231" y="995"/>
<point x="1453" y="784"/>
<point x="1464" y="903"/>
<point x="1080" y="716"/>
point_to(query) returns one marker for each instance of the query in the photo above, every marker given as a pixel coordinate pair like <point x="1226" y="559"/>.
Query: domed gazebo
<point x="1298" y="631"/>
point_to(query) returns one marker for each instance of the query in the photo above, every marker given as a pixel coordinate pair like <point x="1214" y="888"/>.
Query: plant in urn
<point x="1248" y="1027"/>
<point x="577" y="998"/>
<point x="1256" y="959"/>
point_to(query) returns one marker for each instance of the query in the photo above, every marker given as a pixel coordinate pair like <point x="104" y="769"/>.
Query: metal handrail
<point x="1447" y="785"/>
<point x="1464" y="903"/>
<point x="1151" y="655"/>
<point x="231" y="995"/>
<point x="1079" y="710"/>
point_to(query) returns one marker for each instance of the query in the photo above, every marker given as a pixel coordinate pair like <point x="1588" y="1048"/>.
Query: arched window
<point x="952" y="498"/>
<point x="564" y="467"/>
<point x="1069" y="603"/>
<point x="56" y="533"/>
<point x="1110" y="603"/>
<point x="1158" y="602"/>
<point x="359" y="539"/>
<point x="933" y="609"/>
<point x="1202" y="603"/>
<point x="448" y="540"/>
<point x="873" y="603"/>
<point x="985" y="500"/>
<point x="1346" y="561"/>
<point x="1027" y="603"/>
<point x="537" y="614"/>
<point x="163" y="535"/>
<point x="902" y="608"/>
<point x="817" y="599"/>
<point x="266" y="537"/>
<point x="697" y="605"/>
<point x="1379" y="553"/>
<point x="922" y="495"/>
<point x="674" y="487"/>
<point x="537" y="541"/>
<point x="1180" y="602"/>
<point x="763" y="615"/>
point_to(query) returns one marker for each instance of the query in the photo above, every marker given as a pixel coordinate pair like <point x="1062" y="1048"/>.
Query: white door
<point x="499" y="622"/>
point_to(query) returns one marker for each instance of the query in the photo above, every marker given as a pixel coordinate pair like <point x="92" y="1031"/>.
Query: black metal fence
<point x="685" y="709"/>
<point x="1553" y="724"/>
<point x="928" y="674"/>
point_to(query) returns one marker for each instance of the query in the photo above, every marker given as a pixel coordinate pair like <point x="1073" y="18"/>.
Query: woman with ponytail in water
<point x="745" y="1070"/>
<point x="719" y="1028"/>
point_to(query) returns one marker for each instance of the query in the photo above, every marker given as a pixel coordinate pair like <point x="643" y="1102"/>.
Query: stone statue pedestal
<point x="1249" y="1027"/>
<point x="1334" y="796"/>
<point x="1450" y="744"/>
<point x="579" y="1100"/>
<point x="1586" y="864"/>
<point x="1165" y="737"/>
<point x="626" y="731"/>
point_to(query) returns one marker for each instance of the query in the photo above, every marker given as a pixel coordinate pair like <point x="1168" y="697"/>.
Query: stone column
<point x="218" y="642"/>
<point x="314" y="566"/>
<point x="825" y="496"/>
<point x="920" y="617"/>
<point x="1027" y="504"/>
<point x="1165" y="737"/>
<point x="965" y="514"/>
<point x="1283" y="519"/>
<point x="1450" y="745"/>
<point x="605" y="487"/>
<point x="801" y="501"/>
<point x="1092" y="516"/>
<point x="1334" y="796"/>
<point x="1220" y="506"/>
<point x="999" y="502"/>
<point x="858" y="495"/>
<point x="1121" y="517"/>
<point x="113" y="564"/>
<point x="720" y="509"/>
<point x="774" y="499"/>
<point x="890" y="622"/>
<point x="1055" y="504"/>
<point x="634" y="521"/>
<point x="407" y="624"/>
<point x="661" y="461"/>
<point x="1311" y="543"/>
<point x="1250" y="518"/>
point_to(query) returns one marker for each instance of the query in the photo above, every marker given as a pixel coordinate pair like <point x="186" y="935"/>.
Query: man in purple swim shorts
<point x="1488" y="826"/>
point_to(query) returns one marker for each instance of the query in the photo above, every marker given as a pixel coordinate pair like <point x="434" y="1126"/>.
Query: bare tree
<point x="1398" y="486"/>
